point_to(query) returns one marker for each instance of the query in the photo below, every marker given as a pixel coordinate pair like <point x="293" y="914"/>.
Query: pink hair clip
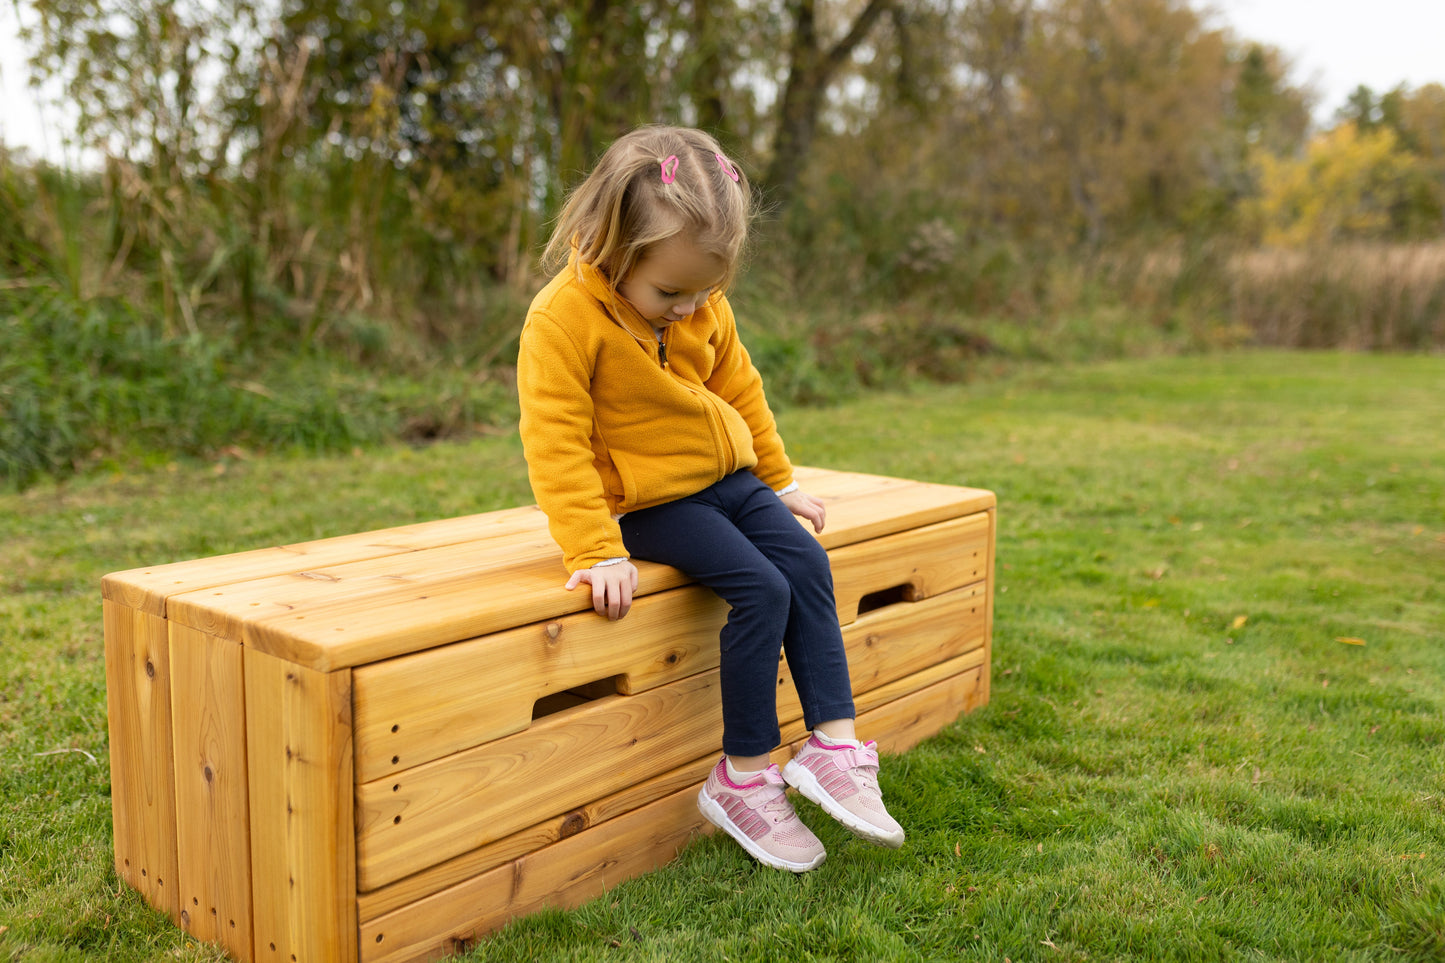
<point x="669" y="169"/>
<point x="728" y="168"/>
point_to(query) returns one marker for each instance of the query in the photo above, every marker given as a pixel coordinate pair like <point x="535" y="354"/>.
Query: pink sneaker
<point x="760" y="817"/>
<point x="844" y="781"/>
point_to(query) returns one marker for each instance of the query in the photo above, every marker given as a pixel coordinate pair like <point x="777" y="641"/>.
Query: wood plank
<point x="450" y="920"/>
<point x="423" y="706"/>
<point x="583" y="819"/>
<point x="893" y="643"/>
<point x="451" y="871"/>
<point x="876" y="505"/>
<point x="348" y="615"/>
<point x="920" y="562"/>
<point x="148" y="588"/>
<point x="898" y="725"/>
<point x="441" y="809"/>
<point x="336" y="619"/>
<point x="986" y="681"/>
<point x="302" y="815"/>
<point x="297" y="596"/>
<point x="565" y="874"/>
<point x="950" y="669"/>
<point x="212" y="825"/>
<point x="142" y="770"/>
<point x="405" y="718"/>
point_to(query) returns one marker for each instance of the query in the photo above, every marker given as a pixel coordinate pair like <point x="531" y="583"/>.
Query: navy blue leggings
<point x="740" y="540"/>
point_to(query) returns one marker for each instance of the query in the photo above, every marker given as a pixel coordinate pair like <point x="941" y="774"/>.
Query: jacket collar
<point x="595" y="283"/>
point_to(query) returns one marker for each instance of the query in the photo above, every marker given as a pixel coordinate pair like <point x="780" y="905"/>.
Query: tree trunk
<point x="810" y="70"/>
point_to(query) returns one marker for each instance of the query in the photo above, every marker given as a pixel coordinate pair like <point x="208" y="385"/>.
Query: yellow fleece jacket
<point x="608" y="429"/>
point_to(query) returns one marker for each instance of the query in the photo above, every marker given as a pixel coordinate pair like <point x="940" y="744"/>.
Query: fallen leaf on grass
<point x="1239" y="621"/>
<point x="1349" y="640"/>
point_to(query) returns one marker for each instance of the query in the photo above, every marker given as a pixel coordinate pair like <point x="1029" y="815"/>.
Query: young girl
<point x="647" y="434"/>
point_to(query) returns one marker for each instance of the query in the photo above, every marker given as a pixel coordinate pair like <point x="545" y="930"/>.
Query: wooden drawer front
<point x="421" y="707"/>
<point x="412" y="820"/>
<point x="565" y="874"/>
<point x="419" y="817"/>
<point x="912" y="565"/>
<point x="909" y="637"/>
<point x="902" y="639"/>
<point x="581" y="866"/>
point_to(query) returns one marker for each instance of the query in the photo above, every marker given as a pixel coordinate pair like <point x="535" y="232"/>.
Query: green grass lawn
<point x="1217" y="728"/>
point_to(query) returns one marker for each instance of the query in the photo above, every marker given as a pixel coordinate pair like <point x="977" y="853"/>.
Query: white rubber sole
<point x="715" y="814"/>
<point x="802" y="779"/>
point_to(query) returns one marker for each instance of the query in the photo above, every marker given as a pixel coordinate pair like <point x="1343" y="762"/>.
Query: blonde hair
<point x="625" y="205"/>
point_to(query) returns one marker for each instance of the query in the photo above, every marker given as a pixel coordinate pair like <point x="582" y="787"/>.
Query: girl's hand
<point x="612" y="587"/>
<point x="803" y="505"/>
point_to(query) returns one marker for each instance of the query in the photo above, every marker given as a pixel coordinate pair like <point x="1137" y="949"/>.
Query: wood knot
<point x="150" y="669"/>
<point x="554" y="629"/>
<point x="208" y="773"/>
<point x="573" y="823"/>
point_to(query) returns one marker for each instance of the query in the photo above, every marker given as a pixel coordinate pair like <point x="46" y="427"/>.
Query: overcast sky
<point x="1334" y="45"/>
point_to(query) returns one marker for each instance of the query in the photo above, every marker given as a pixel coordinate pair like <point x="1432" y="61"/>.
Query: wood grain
<point x="350" y="614"/>
<point x="420" y="707"/>
<point x="213" y="844"/>
<point x="565" y="874"/>
<point x="147" y="589"/>
<point x="920" y="562"/>
<point x="302" y="824"/>
<point x="142" y="766"/>
<point x="415" y="819"/>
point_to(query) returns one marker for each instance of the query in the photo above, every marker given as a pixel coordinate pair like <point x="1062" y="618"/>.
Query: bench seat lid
<point x="354" y="599"/>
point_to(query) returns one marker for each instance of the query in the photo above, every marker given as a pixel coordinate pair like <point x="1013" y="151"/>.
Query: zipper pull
<point x="662" y="352"/>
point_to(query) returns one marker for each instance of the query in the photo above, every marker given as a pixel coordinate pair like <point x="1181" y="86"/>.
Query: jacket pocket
<point x="626" y="481"/>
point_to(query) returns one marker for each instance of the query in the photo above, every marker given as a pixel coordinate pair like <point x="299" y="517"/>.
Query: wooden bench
<point x="379" y="746"/>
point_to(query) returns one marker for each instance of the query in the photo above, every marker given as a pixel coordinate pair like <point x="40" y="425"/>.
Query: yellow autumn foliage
<point x="1348" y="185"/>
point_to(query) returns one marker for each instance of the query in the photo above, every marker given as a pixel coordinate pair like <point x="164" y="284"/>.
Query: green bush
<point x="83" y="381"/>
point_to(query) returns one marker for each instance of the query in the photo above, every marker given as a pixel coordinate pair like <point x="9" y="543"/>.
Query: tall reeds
<point x="1360" y="296"/>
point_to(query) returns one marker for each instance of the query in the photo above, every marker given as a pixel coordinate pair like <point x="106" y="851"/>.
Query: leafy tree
<point x="1351" y="184"/>
<point x="1118" y="97"/>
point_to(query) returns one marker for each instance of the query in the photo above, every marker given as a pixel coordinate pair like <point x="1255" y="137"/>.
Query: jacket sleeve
<point x="554" y="379"/>
<point x="737" y="381"/>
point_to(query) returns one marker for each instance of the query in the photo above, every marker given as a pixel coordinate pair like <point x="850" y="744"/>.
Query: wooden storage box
<point x="380" y="746"/>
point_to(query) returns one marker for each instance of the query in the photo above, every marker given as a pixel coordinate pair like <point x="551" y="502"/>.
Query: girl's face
<point x="672" y="280"/>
